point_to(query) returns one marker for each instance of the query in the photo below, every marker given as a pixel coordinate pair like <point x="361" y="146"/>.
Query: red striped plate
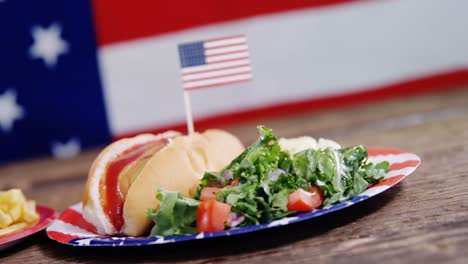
<point x="72" y="229"/>
<point x="47" y="215"/>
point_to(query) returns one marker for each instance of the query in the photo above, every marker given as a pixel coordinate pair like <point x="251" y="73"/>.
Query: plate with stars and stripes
<point x="72" y="229"/>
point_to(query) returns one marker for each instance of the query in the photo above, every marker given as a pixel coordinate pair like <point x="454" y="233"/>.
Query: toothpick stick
<point x="188" y="113"/>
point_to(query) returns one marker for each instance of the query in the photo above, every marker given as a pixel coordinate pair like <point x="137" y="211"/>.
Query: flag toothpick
<point x="188" y="113"/>
<point x="210" y="63"/>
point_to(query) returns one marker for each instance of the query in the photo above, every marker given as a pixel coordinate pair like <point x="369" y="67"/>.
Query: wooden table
<point x="422" y="219"/>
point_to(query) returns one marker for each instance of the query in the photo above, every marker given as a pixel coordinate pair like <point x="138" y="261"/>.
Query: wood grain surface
<point x="424" y="219"/>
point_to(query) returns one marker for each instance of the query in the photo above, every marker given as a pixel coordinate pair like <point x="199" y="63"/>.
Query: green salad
<point x="266" y="183"/>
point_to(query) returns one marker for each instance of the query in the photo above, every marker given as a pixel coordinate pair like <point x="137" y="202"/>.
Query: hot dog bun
<point x="93" y="210"/>
<point x="178" y="166"/>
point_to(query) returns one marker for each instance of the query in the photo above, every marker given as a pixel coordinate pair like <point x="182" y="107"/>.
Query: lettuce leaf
<point x="340" y="173"/>
<point x="176" y="215"/>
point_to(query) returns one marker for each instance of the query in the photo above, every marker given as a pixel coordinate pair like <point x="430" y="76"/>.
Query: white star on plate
<point x="84" y="241"/>
<point x="9" y="110"/>
<point x="161" y="240"/>
<point x="283" y="221"/>
<point x="48" y="44"/>
<point x="66" y="150"/>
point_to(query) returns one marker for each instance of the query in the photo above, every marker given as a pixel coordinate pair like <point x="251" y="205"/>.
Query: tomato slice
<point x="212" y="215"/>
<point x="301" y="200"/>
<point x="208" y="193"/>
<point x="314" y="189"/>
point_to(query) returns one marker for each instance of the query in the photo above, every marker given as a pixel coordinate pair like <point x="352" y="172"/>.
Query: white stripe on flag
<point x="226" y="49"/>
<point x="215" y="73"/>
<point x="209" y="82"/>
<point x="228" y="57"/>
<point x="224" y="42"/>
<point x="214" y="66"/>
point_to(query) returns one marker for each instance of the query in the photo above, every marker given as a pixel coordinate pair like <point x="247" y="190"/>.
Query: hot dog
<point x="123" y="179"/>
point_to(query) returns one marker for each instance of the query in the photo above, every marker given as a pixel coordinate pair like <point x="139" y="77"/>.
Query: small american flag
<point x="215" y="62"/>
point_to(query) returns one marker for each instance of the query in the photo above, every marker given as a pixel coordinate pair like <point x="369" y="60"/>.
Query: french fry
<point x="29" y="212"/>
<point x="12" y="229"/>
<point x="16" y="213"/>
<point x="5" y="220"/>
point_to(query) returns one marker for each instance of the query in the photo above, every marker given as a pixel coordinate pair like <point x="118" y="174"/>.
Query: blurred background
<point x="79" y="74"/>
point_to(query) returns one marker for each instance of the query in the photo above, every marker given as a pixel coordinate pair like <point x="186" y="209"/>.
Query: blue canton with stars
<point x="192" y="54"/>
<point x="51" y="99"/>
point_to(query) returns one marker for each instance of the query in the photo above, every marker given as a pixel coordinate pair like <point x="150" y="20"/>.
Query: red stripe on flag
<point x="216" y="77"/>
<point x="236" y="59"/>
<point x="442" y="81"/>
<point x="216" y="84"/>
<point x="64" y="238"/>
<point x="405" y="164"/>
<point x="389" y="181"/>
<point x="377" y="152"/>
<point x="75" y="218"/>
<point x="217" y="69"/>
<point x="227" y="53"/>
<point x="118" y="21"/>
<point x="226" y="46"/>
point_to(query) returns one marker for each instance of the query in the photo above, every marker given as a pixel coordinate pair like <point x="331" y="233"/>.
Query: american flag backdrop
<point x="51" y="95"/>
<point x="78" y="74"/>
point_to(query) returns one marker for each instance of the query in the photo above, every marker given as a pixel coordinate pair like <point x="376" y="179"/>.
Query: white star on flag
<point x="48" y="44"/>
<point x="66" y="150"/>
<point x="9" y="110"/>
